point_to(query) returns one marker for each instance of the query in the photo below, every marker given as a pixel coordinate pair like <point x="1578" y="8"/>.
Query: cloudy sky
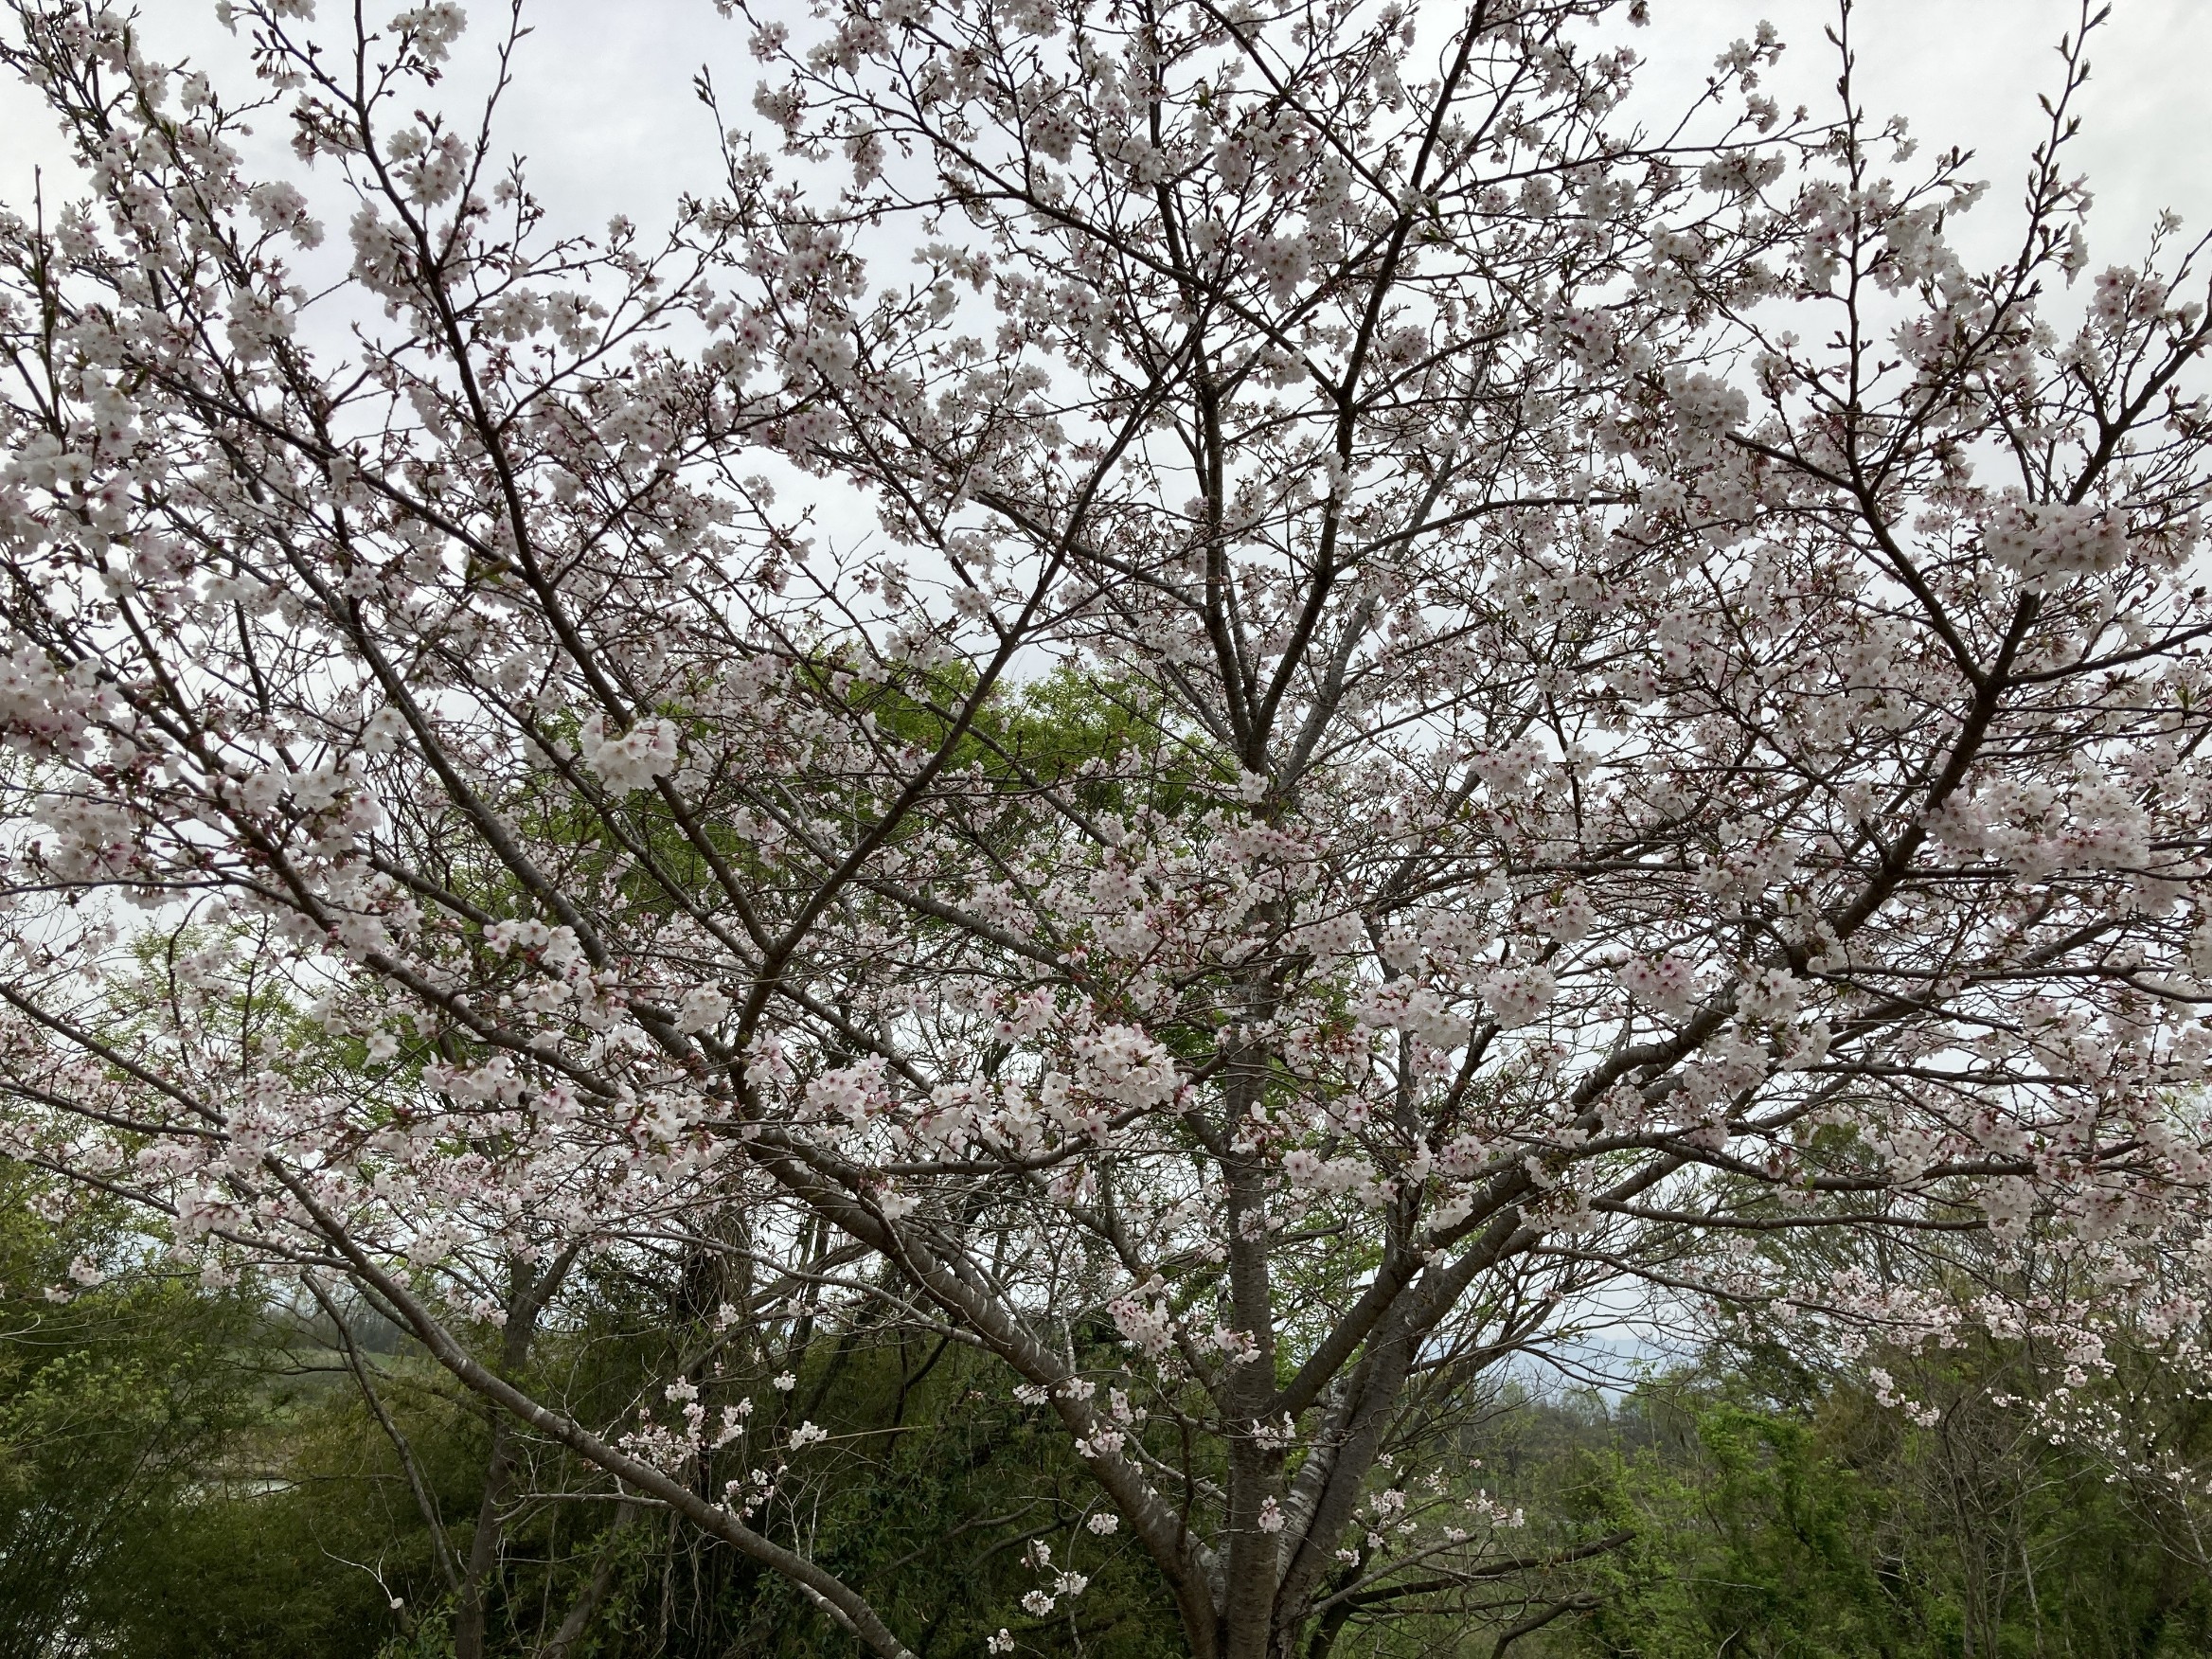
<point x="604" y="110"/>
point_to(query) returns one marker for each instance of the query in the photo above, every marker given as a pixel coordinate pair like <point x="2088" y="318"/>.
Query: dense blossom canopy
<point x="1450" y="707"/>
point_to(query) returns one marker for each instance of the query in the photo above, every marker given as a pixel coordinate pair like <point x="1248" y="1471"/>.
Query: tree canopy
<point x="1460" y="704"/>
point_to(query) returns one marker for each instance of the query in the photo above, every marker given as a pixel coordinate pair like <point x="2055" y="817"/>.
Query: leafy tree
<point x="1828" y="1526"/>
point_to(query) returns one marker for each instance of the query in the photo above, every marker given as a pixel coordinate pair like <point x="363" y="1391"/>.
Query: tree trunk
<point x="525" y="1301"/>
<point x="484" y="1547"/>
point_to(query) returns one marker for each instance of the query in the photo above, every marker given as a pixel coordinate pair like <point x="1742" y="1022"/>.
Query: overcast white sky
<point x="604" y="108"/>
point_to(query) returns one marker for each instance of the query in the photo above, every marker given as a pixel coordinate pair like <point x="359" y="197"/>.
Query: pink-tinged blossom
<point x="1667" y="985"/>
<point x="1516" y="996"/>
<point x="631" y="760"/>
<point x="1420" y="733"/>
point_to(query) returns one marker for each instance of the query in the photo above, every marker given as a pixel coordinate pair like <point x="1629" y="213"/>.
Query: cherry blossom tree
<point x="1453" y="704"/>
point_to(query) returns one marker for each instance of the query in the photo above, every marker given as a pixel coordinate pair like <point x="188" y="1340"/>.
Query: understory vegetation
<point x="186" y="1471"/>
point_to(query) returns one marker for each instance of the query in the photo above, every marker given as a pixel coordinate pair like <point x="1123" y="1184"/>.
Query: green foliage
<point x="1747" y="1537"/>
<point x="129" y="1508"/>
<point x="939" y="1486"/>
<point x="187" y="1471"/>
<point x="1835" y="1529"/>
